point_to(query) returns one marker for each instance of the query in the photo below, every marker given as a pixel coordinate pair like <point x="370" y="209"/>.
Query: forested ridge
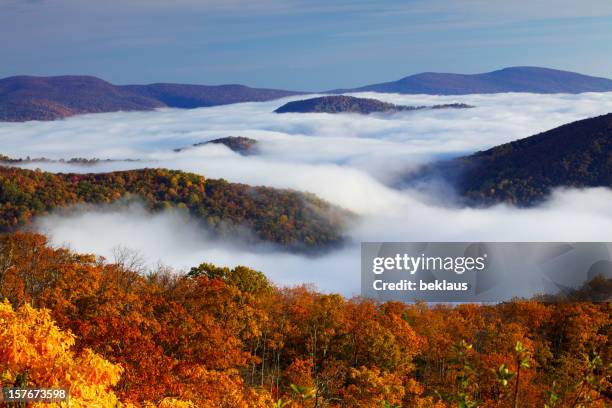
<point x="352" y="104"/>
<point x="221" y="337"/>
<point x="239" y="144"/>
<point x="524" y="172"/>
<point x="299" y="221"/>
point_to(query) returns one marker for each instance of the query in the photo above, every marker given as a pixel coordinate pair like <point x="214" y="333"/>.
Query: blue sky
<point x="295" y="44"/>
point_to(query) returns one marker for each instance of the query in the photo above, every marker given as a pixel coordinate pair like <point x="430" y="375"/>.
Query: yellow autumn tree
<point x="223" y="389"/>
<point x="171" y="403"/>
<point x="371" y="387"/>
<point x="34" y="352"/>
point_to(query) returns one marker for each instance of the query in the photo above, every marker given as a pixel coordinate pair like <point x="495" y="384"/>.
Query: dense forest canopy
<point x="525" y="171"/>
<point x="352" y="104"/>
<point x="227" y="337"/>
<point x="298" y="221"/>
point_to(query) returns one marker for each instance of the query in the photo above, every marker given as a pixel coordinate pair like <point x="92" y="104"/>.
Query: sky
<point x="299" y="44"/>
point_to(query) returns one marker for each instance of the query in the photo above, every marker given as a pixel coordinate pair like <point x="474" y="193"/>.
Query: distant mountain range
<point x="197" y="96"/>
<point x="514" y="79"/>
<point x="351" y="104"/>
<point x="524" y="172"/>
<point x="25" y="98"/>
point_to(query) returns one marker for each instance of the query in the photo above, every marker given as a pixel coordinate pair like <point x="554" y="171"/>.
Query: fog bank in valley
<point x="350" y="160"/>
<point x="169" y="239"/>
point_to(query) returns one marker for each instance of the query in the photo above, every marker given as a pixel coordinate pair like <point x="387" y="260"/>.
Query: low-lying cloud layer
<point x="168" y="238"/>
<point x="350" y="160"/>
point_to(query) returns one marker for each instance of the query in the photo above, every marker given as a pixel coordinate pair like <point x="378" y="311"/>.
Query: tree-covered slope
<point x="337" y="104"/>
<point x="239" y="144"/>
<point x="221" y="337"/>
<point x="525" y="171"/>
<point x="297" y="220"/>
<point x="352" y="104"/>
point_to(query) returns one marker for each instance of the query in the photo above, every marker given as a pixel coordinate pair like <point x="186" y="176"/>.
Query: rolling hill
<point x="239" y="144"/>
<point x="524" y="172"/>
<point x="37" y="98"/>
<point x="351" y="104"/>
<point x="196" y="96"/>
<point x="294" y="220"/>
<point x="24" y="98"/>
<point x="513" y="79"/>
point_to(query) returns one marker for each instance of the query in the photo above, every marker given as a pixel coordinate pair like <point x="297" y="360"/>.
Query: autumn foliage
<point x="35" y="352"/>
<point x="299" y="221"/>
<point x="221" y="337"/>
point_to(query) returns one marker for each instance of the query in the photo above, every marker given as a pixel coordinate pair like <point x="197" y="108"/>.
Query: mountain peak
<point x="25" y="97"/>
<point x="510" y="79"/>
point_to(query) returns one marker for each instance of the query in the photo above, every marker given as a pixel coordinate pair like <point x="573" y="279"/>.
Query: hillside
<point x="513" y="79"/>
<point x="39" y="98"/>
<point x="523" y="172"/>
<point x="289" y="218"/>
<point x="240" y="144"/>
<point x="195" y="96"/>
<point x="24" y="98"/>
<point x="351" y="104"/>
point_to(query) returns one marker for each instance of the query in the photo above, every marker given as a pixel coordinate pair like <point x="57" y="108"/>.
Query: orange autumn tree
<point x="373" y="388"/>
<point x="176" y="337"/>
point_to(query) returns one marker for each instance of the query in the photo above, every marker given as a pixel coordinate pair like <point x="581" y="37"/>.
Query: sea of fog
<point x="351" y="160"/>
